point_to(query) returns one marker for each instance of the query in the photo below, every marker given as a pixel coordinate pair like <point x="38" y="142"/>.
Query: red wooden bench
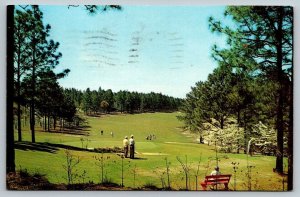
<point x="215" y="180"/>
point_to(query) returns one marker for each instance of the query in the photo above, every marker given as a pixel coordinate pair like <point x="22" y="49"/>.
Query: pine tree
<point x="42" y="56"/>
<point x="265" y="35"/>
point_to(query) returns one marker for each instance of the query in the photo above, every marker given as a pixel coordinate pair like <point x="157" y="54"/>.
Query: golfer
<point x="131" y="147"/>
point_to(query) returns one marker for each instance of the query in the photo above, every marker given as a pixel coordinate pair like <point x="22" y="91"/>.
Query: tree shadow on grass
<point x="83" y="130"/>
<point x="29" y="146"/>
<point x="53" y="148"/>
<point x="45" y="147"/>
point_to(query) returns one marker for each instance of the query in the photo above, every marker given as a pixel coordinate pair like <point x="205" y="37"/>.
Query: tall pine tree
<point x="265" y="34"/>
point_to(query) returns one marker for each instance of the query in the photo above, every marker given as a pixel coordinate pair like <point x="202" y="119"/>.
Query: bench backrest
<point x="219" y="178"/>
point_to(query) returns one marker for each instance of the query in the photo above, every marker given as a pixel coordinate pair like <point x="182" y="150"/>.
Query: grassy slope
<point x="170" y="143"/>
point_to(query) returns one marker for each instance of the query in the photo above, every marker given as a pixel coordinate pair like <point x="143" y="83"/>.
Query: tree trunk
<point x="279" y="126"/>
<point x="279" y="119"/>
<point x="63" y="124"/>
<point x="238" y="116"/>
<point x="32" y="122"/>
<point x="10" y="151"/>
<point x="18" y="96"/>
<point x="25" y="116"/>
<point x="45" y="122"/>
<point x="290" y="145"/>
<point x="54" y="122"/>
<point x="290" y="134"/>
<point x="48" y="123"/>
<point x="60" y="124"/>
<point x="19" y="122"/>
<point x="246" y="134"/>
<point x="238" y="143"/>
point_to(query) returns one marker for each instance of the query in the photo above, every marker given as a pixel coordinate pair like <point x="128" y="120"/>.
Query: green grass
<point x="170" y="143"/>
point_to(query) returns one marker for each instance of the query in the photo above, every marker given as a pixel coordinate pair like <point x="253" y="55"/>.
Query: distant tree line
<point x="106" y="101"/>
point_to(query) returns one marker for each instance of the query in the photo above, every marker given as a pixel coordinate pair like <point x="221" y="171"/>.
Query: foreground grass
<point x="150" y="164"/>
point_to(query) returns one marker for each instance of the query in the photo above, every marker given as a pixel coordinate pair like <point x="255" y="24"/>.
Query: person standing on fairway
<point x="126" y="146"/>
<point x="132" y="146"/>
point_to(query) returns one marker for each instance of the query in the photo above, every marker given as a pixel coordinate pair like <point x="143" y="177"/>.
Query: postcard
<point x="149" y="98"/>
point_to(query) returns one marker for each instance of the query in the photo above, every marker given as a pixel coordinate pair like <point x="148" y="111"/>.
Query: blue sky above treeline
<point x="163" y="49"/>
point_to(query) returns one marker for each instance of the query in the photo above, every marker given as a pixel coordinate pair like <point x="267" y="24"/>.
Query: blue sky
<point x="163" y="49"/>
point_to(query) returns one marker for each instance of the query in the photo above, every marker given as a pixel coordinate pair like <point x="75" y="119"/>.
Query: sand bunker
<point x="74" y="135"/>
<point x="178" y="143"/>
<point x="155" y="154"/>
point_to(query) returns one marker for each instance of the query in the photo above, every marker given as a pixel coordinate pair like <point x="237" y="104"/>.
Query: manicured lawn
<point x="150" y="164"/>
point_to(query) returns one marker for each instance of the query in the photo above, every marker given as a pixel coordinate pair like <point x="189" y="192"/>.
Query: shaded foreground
<point x="24" y="181"/>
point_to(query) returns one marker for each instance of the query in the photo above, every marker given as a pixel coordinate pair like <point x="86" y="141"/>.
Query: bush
<point x="150" y="185"/>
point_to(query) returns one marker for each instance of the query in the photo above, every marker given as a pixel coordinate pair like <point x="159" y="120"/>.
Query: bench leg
<point x="226" y="186"/>
<point x="203" y="186"/>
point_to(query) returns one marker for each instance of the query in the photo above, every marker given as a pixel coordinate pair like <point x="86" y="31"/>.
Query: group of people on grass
<point x="151" y="137"/>
<point x="129" y="146"/>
